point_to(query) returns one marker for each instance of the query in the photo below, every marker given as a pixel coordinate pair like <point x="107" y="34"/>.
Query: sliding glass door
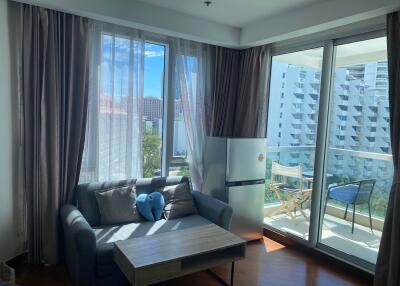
<point x="328" y="147"/>
<point x="291" y="138"/>
<point x="358" y="165"/>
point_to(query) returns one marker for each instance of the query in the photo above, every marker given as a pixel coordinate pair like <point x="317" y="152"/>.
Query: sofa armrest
<point x="214" y="210"/>
<point x="79" y="246"/>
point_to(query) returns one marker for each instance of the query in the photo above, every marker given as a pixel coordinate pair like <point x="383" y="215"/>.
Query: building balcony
<point x="335" y="230"/>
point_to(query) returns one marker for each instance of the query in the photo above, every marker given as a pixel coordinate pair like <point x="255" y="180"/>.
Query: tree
<point x="184" y="171"/>
<point x="151" y="154"/>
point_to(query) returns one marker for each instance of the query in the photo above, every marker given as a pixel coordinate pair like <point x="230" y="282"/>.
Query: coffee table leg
<point x="222" y="280"/>
<point x="232" y="271"/>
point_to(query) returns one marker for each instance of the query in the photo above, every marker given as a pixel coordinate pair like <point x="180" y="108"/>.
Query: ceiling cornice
<point x="308" y="20"/>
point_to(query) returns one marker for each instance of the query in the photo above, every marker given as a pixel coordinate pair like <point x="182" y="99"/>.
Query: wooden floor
<point x="267" y="263"/>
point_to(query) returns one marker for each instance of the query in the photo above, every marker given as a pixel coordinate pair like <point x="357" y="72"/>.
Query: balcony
<point x="335" y="230"/>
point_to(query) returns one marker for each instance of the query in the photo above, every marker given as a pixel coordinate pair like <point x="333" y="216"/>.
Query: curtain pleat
<point x="54" y="96"/>
<point x="225" y="91"/>
<point x="252" y="99"/>
<point x="240" y="98"/>
<point x="114" y="137"/>
<point x="193" y="73"/>
<point x="387" y="270"/>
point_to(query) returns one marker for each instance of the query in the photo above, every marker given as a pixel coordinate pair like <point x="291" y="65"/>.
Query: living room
<point x="221" y="142"/>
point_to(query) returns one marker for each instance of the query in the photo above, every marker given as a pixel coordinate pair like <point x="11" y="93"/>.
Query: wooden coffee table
<point x="160" y="257"/>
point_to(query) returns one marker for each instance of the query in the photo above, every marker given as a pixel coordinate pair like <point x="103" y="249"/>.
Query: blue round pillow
<point x="151" y="206"/>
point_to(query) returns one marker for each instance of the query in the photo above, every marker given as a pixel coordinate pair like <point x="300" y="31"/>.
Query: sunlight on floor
<point x="271" y="246"/>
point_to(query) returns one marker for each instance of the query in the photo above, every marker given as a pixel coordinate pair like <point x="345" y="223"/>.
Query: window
<point x="179" y="165"/>
<point x="296" y="145"/>
<point x="153" y="98"/>
<point x="125" y="111"/>
<point x="355" y="139"/>
<point x="356" y="67"/>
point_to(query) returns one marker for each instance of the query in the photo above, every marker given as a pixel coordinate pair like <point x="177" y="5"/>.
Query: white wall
<point x="313" y="19"/>
<point x="7" y="225"/>
<point x="150" y="18"/>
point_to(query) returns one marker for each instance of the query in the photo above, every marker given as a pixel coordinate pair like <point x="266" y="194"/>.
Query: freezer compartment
<point x="245" y="159"/>
<point x="247" y="202"/>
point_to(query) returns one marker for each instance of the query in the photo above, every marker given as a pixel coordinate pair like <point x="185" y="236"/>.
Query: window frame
<point x="326" y="93"/>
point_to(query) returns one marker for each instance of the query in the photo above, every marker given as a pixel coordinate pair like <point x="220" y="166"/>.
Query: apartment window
<point x="115" y="148"/>
<point x="153" y="91"/>
<point x="354" y="67"/>
<point x="298" y="149"/>
<point x="179" y="165"/>
<point x="357" y="144"/>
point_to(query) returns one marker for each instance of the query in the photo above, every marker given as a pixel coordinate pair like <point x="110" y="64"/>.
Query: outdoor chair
<point x="353" y="193"/>
<point x="291" y="197"/>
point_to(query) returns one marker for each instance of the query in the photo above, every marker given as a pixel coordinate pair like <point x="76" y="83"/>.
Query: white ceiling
<point x="350" y="54"/>
<point x="236" y="13"/>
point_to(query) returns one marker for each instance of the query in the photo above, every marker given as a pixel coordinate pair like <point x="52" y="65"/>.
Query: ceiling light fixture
<point x="208" y="3"/>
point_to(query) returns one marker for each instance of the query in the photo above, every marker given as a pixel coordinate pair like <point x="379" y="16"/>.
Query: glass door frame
<point x="319" y="183"/>
<point x="277" y="51"/>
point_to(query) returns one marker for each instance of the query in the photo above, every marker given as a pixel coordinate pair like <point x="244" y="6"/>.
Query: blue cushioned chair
<point x="353" y="193"/>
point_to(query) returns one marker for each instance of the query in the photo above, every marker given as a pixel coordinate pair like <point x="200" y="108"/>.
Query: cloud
<point x="154" y="54"/>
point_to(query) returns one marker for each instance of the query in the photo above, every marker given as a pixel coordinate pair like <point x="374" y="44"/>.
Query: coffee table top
<point x="160" y="248"/>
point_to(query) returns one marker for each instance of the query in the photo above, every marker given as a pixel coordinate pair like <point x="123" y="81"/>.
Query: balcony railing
<point x="356" y="165"/>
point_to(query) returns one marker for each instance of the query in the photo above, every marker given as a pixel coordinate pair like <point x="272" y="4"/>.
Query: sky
<point x="153" y="70"/>
<point x="119" y="81"/>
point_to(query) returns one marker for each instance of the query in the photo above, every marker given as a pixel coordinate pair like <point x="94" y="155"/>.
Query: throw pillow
<point x="151" y="206"/>
<point x="118" y="205"/>
<point x="178" y="201"/>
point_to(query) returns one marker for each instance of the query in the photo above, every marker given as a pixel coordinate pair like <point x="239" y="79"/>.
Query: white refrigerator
<point x="234" y="172"/>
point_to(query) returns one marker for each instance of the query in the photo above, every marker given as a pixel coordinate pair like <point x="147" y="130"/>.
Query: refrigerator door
<point x="245" y="159"/>
<point x="247" y="202"/>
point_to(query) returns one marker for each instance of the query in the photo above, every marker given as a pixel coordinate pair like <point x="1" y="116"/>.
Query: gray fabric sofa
<point x="88" y="246"/>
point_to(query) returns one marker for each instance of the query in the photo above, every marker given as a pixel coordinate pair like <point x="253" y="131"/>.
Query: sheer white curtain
<point x="113" y="147"/>
<point x="193" y="79"/>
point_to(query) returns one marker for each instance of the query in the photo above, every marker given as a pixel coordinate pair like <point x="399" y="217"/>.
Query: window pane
<point x="291" y="138"/>
<point x="358" y="150"/>
<point x="115" y="149"/>
<point x="153" y="109"/>
<point x="179" y="145"/>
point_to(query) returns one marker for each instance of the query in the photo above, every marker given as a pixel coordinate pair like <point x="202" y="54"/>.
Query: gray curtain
<point x="223" y="102"/>
<point x="387" y="270"/>
<point x="54" y="98"/>
<point x="240" y="99"/>
<point x="252" y="99"/>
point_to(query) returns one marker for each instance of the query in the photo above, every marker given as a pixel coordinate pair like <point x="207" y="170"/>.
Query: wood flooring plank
<point x="267" y="263"/>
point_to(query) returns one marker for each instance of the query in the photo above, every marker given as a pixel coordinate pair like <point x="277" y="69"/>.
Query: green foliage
<point x="184" y="171"/>
<point x="151" y="154"/>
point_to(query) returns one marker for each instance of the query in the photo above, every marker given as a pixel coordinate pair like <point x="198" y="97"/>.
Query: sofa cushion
<point x="117" y="206"/>
<point x="178" y="201"/>
<point x="86" y="202"/>
<point x="106" y="236"/>
<point x="149" y="185"/>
